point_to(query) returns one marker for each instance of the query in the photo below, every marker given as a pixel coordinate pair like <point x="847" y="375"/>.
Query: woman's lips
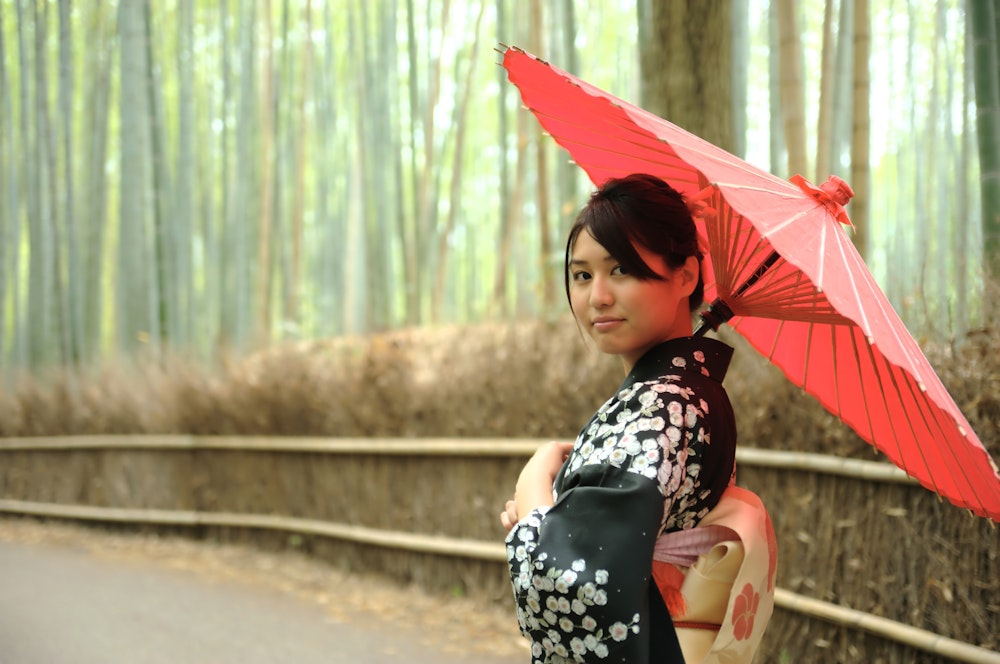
<point x="606" y="324"/>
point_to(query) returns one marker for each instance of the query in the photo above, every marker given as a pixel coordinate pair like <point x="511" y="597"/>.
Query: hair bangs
<point x="608" y="226"/>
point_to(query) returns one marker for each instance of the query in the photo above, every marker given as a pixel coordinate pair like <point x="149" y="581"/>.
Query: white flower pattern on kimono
<point x="561" y="615"/>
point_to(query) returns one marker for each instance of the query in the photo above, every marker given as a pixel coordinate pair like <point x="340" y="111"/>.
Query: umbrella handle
<point x="717" y="313"/>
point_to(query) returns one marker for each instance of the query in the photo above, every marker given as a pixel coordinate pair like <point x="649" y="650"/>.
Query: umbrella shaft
<point x="758" y="273"/>
<point x="719" y="312"/>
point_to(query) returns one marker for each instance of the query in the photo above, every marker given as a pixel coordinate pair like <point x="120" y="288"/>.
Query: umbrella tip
<point x="838" y="189"/>
<point x="835" y="193"/>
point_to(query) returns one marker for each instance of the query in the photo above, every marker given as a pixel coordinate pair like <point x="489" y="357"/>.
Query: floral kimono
<point x="655" y="458"/>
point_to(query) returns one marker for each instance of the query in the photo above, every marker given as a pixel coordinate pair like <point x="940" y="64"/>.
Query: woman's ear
<point x="689" y="274"/>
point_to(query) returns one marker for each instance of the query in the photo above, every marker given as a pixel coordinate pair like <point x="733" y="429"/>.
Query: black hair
<point x="640" y="209"/>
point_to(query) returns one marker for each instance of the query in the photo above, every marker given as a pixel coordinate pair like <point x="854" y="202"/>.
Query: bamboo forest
<point x="196" y="176"/>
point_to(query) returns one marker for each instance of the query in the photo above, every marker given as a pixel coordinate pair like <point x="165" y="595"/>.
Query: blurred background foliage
<point x="204" y="178"/>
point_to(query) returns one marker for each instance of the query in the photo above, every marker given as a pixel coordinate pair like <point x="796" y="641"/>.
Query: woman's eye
<point x="619" y="271"/>
<point x="581" y="276"/>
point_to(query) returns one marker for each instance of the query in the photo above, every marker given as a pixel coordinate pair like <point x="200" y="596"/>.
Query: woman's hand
<point x="534" y="486"/>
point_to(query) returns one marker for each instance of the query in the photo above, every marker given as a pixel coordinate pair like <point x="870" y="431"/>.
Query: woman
<point x="655" y="458"/>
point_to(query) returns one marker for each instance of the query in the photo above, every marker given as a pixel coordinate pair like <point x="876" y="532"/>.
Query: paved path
<point x="60" y="602"/>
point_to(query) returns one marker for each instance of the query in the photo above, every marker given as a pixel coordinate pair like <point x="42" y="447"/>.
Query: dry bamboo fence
<point x="423" y="511"/>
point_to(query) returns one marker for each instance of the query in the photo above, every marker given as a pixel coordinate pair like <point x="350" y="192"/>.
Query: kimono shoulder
<point x="671" y="421"/>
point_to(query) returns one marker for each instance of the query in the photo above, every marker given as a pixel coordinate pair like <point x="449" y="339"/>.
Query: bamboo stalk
<point x="413" y="542"/>
<point x="478" y="447"/>
<point x="825" y="464"/>
<point x="875" y="471"/>
<point x="91" y="513"/>
<point x="883" y="627"/>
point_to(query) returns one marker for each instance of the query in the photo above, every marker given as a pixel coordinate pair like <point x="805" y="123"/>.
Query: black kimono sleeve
<point x="581" y="569"/>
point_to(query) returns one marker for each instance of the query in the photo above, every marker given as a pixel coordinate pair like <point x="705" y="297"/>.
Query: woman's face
<point x="626" y="316"/>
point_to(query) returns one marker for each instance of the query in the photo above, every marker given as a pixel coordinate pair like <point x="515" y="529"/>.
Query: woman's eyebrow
<point x="580" y="261"/>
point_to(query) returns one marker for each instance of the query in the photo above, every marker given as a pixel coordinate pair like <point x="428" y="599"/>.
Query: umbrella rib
<point x="861" y="381"/>
<point x="787" y="294"/>
<point x="836" y="373"/>
<point x="874" y="358"/>
<point x="774" y="342"/>
<point x="887" y="314"/>
<point x="919" y="396"/>
<point x="808" y="355"/>
<point x="792" y="192"/>
<point x="788" y="289"/>
<point x="913" y="433"/>
<point x="821" y="254"/>
<point x="859" y="266"/>
<point x="715" y="234"/>
<point x="739" y="250"/>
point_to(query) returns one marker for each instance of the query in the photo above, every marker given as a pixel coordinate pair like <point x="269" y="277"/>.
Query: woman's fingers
<point x="505" y="521"/>
<point x="509" y="515"/>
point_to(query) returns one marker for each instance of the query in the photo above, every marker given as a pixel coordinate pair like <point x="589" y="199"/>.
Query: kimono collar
<point x="702" y="355"/>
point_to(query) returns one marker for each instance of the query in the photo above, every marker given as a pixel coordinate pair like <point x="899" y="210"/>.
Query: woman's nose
<point x="600" y="293"/>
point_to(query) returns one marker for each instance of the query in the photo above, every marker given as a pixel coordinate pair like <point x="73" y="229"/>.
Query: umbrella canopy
<point x="781" y="265"/>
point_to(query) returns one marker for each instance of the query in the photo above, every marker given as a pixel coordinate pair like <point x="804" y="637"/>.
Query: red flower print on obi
<point x="744" y="610"/>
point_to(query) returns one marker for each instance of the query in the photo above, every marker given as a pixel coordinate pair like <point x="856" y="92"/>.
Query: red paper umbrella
<point x="786" y="276"/>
